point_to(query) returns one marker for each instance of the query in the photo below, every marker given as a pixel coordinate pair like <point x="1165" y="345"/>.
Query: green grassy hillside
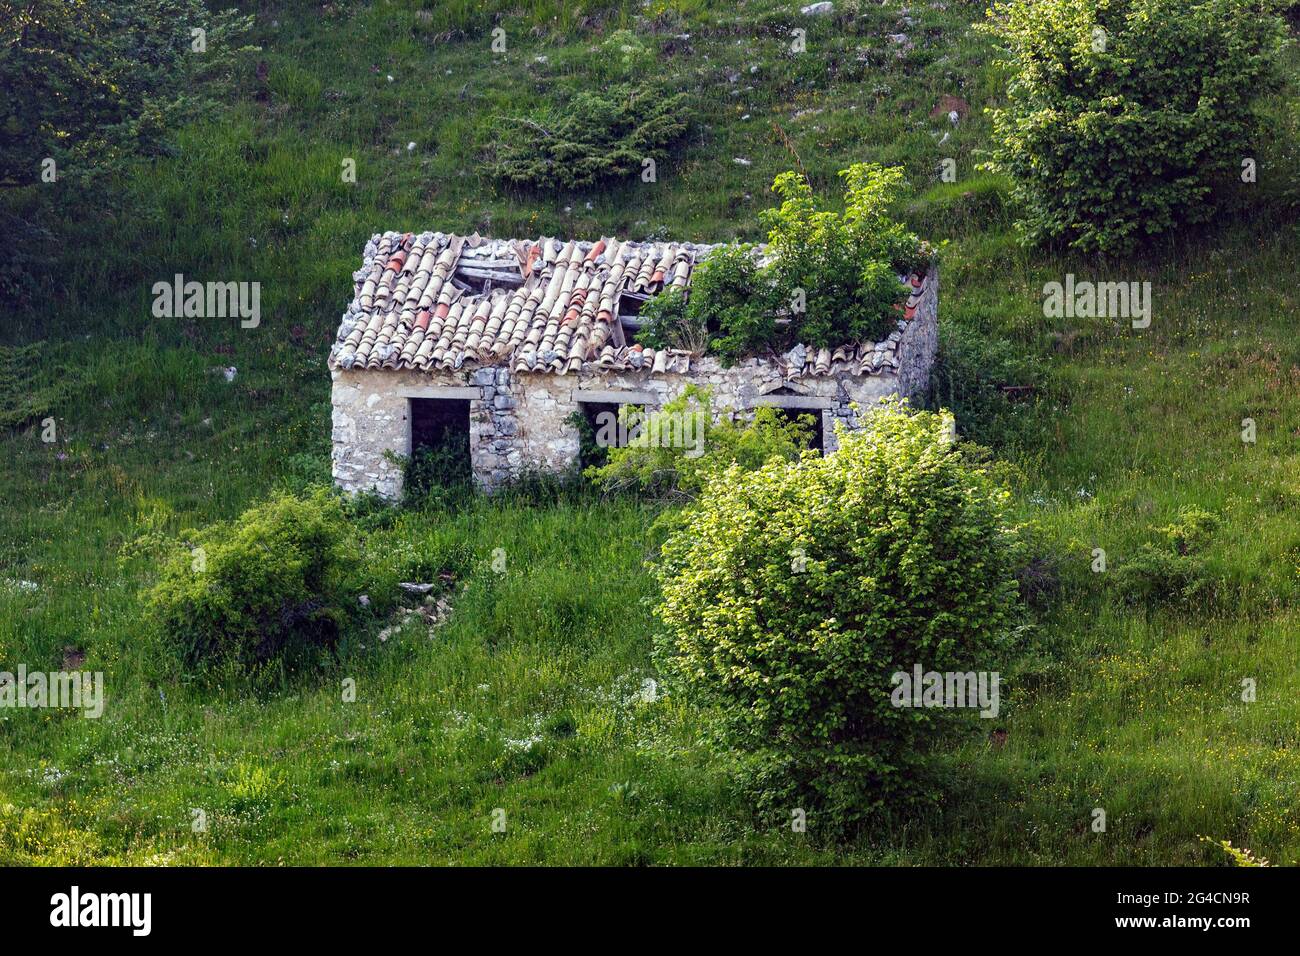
<point x="531" y="697"/>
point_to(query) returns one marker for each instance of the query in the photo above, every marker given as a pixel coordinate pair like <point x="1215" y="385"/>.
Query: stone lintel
<point x="441" y="391"/>
<point x="616" y="396"/>
<point x="795" y="401"/>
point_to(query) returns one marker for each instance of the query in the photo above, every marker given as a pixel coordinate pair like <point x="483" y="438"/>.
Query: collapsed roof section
<point x="437" y="301"/>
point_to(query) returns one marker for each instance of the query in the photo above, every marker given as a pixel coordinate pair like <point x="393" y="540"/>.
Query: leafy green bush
<point x="1192" y="531"/>
<point x="1156" y="577"/>
<point x="268" y="587"/>
<point x="675" y="450"/>
<point x="792" y="594"/>
<point x="847" y="265"/>
<point x="596" y="136"/>
<point x="735" y="301"/>
<point x="832" y="278"/>
<point x="731" y="310"/>
<point x="1123" y="115"/>
<point x="668" y="323"/>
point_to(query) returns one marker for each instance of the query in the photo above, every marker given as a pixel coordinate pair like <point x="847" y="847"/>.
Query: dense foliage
<point x="1172" y="572"/>
<point x="837" y="272"/>
<point x="730" y="312"/>
<point x="1123" y="116"/>
<point x="268" y="587"/>
<point x="794" y="592"/>
<point x="830" y="277"/>
<point x="675" y="450"/>
<point x="597" y="136"/>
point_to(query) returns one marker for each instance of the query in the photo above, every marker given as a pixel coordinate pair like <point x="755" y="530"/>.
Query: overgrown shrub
<point x="832" y="277"/>
<point x="667" y="322"/>
<point x="792" y="594"/>
<point x="731" y="310"/>
<point x="1192" y="530"/>
<point x="846" y="264"/>
<point x="1172" y="573"/>
<point x="1123" y="115"/>
<point x="594" y="137"/>
<point x="1155" y="577"/>
<point x="269" y="587"/>
<point x="675" y="450"/>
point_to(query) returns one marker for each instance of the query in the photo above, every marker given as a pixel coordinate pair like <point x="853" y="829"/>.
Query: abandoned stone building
<point x="505" y="340"/>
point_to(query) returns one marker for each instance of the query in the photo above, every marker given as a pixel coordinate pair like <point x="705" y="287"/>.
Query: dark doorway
<point x="593" y="444"/>
<point x="439" y="444"/>
<point x="810" y="418"/>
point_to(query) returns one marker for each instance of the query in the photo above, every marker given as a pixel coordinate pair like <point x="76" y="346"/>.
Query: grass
<point x="531" y="698"/>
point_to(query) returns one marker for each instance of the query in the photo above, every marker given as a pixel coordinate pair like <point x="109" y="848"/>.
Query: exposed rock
<point x="411" y="587"/>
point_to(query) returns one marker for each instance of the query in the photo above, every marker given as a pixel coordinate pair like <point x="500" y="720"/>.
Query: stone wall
<point x="920" y="343"/>
<point x="519" y="420"/>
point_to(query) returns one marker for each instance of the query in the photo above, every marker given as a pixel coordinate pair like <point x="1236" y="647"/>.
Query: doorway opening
<point x="439" y="445"/>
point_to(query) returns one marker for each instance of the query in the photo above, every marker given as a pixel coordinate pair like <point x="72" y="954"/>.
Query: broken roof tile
<point x="441" y="301"/>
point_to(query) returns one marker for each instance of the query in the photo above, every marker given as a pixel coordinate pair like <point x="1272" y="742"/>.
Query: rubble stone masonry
<point x="521" y="420"/>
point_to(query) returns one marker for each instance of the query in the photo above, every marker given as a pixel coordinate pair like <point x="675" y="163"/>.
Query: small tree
<point x="730" y="312"/>
<point x="842" y="267"/>
<point x="1123" y="115"/>
<point x="593" y="138"/>
<point x="792" y="594"/>
<point x="831" y="276"/>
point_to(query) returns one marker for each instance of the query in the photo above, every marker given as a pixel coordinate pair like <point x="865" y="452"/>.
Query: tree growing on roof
<point x="824" y="279"/>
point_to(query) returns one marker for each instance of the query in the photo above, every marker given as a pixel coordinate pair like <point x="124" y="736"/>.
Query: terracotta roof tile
<point x="439" y="301"/>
